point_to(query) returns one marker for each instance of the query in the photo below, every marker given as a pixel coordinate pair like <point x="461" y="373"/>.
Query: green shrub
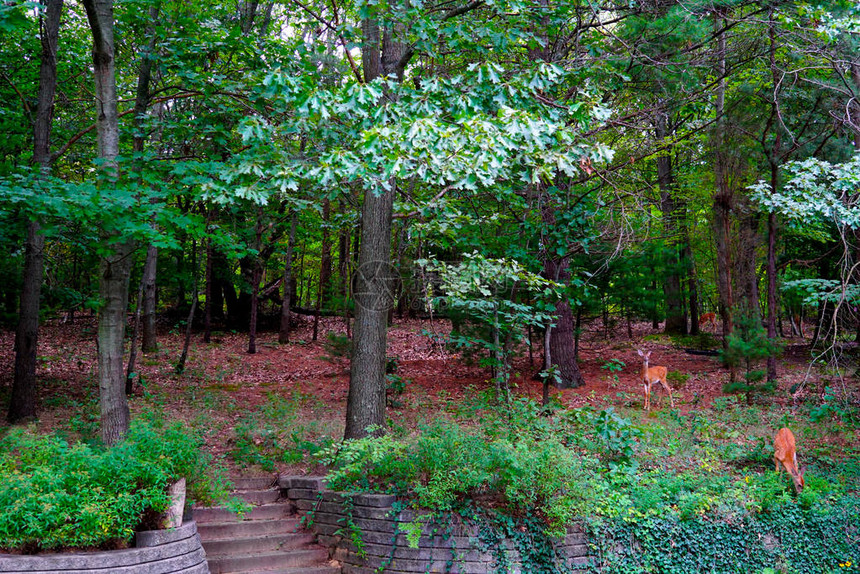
<point x="276" y="433"/>
<point x="446" y="467"/>
<point x="54" y="494"/>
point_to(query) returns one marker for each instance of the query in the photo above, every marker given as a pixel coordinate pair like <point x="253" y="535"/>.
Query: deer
<point x="784" y="452"/>
<point x="708" y="318"/>
<point x="651" y="376"/>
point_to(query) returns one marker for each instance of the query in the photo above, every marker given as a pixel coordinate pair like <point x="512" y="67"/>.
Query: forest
<point x="361" y="239"/>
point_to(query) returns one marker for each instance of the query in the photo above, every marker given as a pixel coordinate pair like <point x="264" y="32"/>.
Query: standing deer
<point x="651" y="376"/>
<point x="784" y="452"/>
<point x="706" y="318"/>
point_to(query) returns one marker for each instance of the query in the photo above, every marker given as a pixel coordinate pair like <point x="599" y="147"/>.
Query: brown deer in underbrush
<point x="651" y="376"/>
<point x="708" y="318"/>
<point x="784" y="452"/>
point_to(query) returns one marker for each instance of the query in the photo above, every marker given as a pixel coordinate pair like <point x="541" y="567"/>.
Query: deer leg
<point x="647" y="397"/>
<point x="668" y="392"/>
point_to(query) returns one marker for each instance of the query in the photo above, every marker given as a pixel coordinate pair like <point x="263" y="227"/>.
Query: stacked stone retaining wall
<point x="176" y="551"/>
<point x="380" y="525"/>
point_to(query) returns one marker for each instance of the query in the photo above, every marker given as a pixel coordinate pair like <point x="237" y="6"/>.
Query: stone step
<point x="221" y="514"/>
<point x="324" y="569"/>
<point x="257" y="497"/>
<point x="246" y="528"/>
<point x="254" y="483"/>
<point x="271" y="543"/>
<point x="297" y="559"/>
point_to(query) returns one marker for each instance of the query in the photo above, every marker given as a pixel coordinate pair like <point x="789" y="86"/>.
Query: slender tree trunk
<point x="22" y="403"/>
<point x="676" y="321"/>
<point x="115" y="268"/>
<point x="343" y="273"/>
<point x="325" y="267"/>
<point x="208" y="291"/>
<point x="256" y="276"/>
<point x="132" y="347"/>
<point x="771" y="218"/>
<point x="284" y="334"/>
<point x="149" y="341"/>
<point x="692" y="283"/>
<point x="723" y="200"/>
<point x="180" y="365"/>
<point x="141" y="104"/>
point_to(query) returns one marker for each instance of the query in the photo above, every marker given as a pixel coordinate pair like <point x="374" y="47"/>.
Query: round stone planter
<point x="156" y="552"/>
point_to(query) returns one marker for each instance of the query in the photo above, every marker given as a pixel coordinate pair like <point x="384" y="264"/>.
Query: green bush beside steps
<point x="56" y="494"/>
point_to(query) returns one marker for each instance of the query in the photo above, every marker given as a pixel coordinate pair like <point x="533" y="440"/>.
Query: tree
<point x="115" y="267"/>
<point x="22" y="403"/>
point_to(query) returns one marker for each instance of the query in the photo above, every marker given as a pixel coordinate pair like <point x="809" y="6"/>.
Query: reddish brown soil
<point x="67" y="370"/>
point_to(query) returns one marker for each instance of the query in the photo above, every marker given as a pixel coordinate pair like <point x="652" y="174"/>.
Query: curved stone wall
<point x="176" y="551"/>
<point x="385" y="548"/>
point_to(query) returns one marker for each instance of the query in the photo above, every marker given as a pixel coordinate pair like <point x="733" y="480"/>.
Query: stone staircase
<point x="267" y="539"/>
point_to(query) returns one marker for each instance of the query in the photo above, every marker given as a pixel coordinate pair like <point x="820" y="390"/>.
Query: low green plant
<point x="338" y="347"/>
<point x="614" y="366"/>
<point x="834" y="406"/>
<point x="60" y="494"/>
<point x="677" y="379"/>
<point x="746" y="347"/>
<point x="445" y="466"/>
<point x="277" y="434"/>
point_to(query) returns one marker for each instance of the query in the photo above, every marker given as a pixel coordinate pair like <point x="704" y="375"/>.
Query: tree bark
<point x="132" y="346"/>
<point x="208" y="291"/>
<point x="676" y="319"/>
<point x="256" y="277"/>
<point x="366" y="400"/>
<point x="22" y="403"/>
<point x="284" y="334"/>
<point x="723" y="200"/>
<point x="115" y="268"/>
<point x="149" y="340"/>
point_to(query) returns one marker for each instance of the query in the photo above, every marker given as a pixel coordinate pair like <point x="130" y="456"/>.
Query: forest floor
<point x="304" y="385"/>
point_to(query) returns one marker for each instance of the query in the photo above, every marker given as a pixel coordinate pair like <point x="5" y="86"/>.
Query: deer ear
<point x="641" y="354"/>
<point x="802" y="470"/>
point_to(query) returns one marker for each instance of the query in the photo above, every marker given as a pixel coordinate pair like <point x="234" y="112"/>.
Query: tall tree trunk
<point x="771" y="217"/>
<point x="855" y="122"/>
<point x="208" y="291"/>
<point x="325" y="267"/>
<point x="692" y="284"/>
<point x="366" y="400"/>
<point x="149" y="341"/>
<point x="562" y="341"/>
<point x="343" y="273"/>
<point x="132" y="347"/>
<point x="284" y="334"/>
<point x="723" y="200"/>
<point x="22" y="403"/>
<point x="676" y="320"/>
<point x="116" y="266"/>
<point x="746" y="263"/>
<point x="256" y="277"/>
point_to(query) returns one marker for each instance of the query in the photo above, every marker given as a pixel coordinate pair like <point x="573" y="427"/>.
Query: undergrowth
<point x="660" y="488"/>
<point x="60" y="494"/>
